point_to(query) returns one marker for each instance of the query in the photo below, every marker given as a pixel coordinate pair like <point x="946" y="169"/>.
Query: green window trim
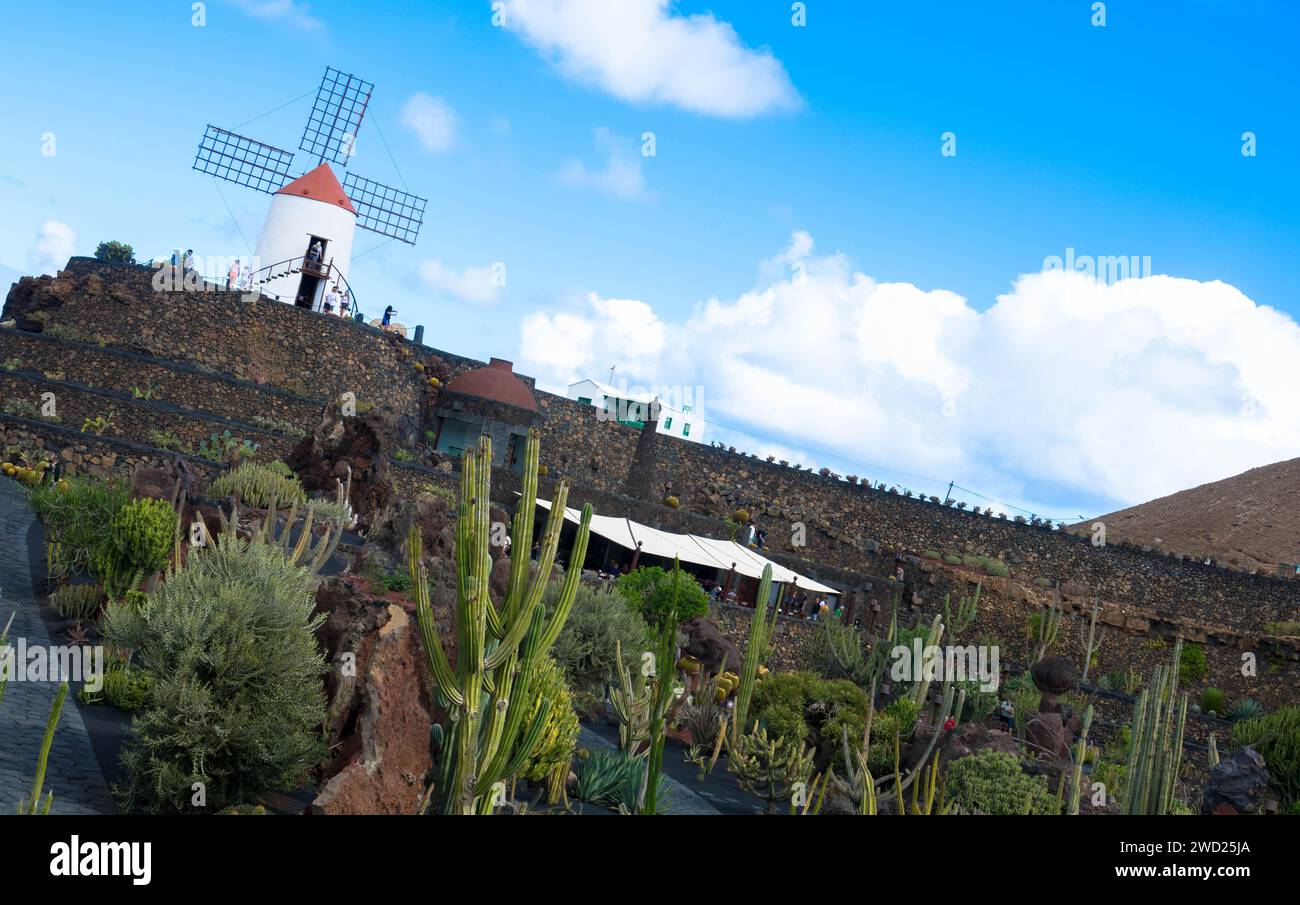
<point x="686" y="430"/>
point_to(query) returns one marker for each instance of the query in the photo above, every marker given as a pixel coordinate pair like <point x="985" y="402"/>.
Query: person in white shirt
<point x="331" y="300"/>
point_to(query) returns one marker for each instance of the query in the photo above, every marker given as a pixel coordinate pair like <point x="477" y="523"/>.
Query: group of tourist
<point x="337" y="301"/>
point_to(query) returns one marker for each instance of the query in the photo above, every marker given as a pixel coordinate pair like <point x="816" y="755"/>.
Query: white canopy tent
<point x="700" y="551"/>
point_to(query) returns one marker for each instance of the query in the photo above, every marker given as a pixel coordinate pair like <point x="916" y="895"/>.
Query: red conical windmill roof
<point x="320" y="185"/>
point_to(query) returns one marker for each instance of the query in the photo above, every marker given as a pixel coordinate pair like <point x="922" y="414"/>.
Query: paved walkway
<point x="73" y="772"/>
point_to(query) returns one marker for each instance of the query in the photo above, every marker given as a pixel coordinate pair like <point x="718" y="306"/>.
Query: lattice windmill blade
<point x="385" y="210"/>
<point x="331" y="133"/>
<point x="244" y="161"/>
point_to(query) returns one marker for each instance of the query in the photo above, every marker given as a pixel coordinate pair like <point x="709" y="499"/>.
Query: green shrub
<point x="952" y="559"/>
<point x="76" y="517"/>
<point x="238" y="699"/>
<point x="125" y="688"/>
<point x="1277" y="737"/>
<point x="802" y="706"/>
<point x="255" y="484"/>
<point x="140" y="537"/>
<point x="992" y="782"/>
<point x="650" y="591"/>
<point x="1213" y="701"/>
<point x="1282" y="628"/>
<point x="932" y="554"/>
<point x="584" y="650"/>
<point x="1191" y="665"/>
<point x="78" y="601"/>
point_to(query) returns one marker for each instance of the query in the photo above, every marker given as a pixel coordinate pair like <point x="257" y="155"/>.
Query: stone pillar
<point x="643" y="478"/>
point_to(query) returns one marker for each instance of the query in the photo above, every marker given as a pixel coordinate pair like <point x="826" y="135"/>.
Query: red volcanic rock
<point x="379" y="718"/>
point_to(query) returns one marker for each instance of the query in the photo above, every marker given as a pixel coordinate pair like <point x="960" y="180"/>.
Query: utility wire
<point x="232" y="215"/>
<point x="281" y="107"/>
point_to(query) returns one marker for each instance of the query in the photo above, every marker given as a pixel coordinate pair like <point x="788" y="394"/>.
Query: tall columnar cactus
<point x="491" y="687"/>
<point x="1049" y="626"/>
<point x="761" y="628"/>
<point x="631" y="700"/>
<point x="921" y="685"/>
<point x="33" y="804"/>
<point x="1080" y="756"/>
<point x="665" y="674"/>
<point x="1094" y="643"/>
<point x="963" y="617"/>
<point x="1156" y="752"/>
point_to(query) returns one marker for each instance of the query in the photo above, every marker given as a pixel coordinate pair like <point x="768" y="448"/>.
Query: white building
<point x="309" y="210"/>
<point x="679" y="417"/>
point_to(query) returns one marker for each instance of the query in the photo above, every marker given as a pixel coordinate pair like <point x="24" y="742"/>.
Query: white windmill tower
<point x="306" y="242"/>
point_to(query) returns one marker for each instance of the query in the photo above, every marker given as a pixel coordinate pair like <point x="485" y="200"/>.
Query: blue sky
<point x="1116" y="140"/>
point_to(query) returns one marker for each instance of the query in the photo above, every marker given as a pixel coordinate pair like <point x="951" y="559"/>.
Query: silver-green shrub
<point x="238" y="699"/>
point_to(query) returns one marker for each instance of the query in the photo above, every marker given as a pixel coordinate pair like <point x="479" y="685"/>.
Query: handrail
<point x="329" y="273"/>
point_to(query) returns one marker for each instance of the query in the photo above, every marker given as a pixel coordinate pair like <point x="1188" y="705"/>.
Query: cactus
<point x="1049" y="626"/>
<point x="921" y="686"/>
<point x="964" y="617"/>
<point x="761" y="628"/>
<point x="770" y="767"/>
<point x="308" y="552"/>
<point x="491" y="688"/>
<point x="1080" y="755"/>
<point x="1157" y="742"/>
<point x="1094" y="643"/>
<point x="631" y="703"/>
<point x="661" y="697"/>
<point x="33" y="805"/>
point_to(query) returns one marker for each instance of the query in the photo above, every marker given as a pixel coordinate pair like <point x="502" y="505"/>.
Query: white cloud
<point x="1065" y="387"/>
<point x="433" y="121"/>
<point x="290" y="12"/>
<point x="473" y="284"/>
<point x="640" y="51"/>
<point x="621" y="175"/>
<point x="50" y="250"/>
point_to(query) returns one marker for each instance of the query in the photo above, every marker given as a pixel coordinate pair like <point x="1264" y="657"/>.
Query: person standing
<point x="331" y="300"/>
<point x="232" y="276"/>
<point x="388" y="315"/>
<point x="345" y="303"/>
<point x="189" y="260"/>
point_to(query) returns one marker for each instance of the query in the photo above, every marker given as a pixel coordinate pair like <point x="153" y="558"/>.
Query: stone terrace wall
<point x="183" y="385"/>
<point x="92" y="454"/>
<point x="136" y="419"/>
<point x="579" y="446"/>
<point x="262" y="341"/>
<point x="712" y="479"/>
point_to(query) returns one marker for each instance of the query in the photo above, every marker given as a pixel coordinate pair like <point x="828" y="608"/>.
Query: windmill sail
<point x="385" y="210"/>
<point x="331" y="133"/>
<point x="243" y="161"/>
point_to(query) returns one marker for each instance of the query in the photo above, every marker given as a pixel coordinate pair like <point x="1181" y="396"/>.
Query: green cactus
<point x="1156" y="752"/>
<point x="761" y="628"/>
<point x="33" y="804"/>
<point x="964" y="617"/>
<point x="1080" y="755"/>
<point x="1094" y="643"/>
<point x="493" y="684"/>
<point x="309" y="552"/>
<point x="1049" y="626"/>
<point x="139" y="538"/>
<point x="921" y="687"/>
<point x="663" y="682"/>
<point x="770" y="767"/>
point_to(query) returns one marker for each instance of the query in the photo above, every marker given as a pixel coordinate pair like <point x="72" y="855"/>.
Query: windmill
<point x="306" y="242"/>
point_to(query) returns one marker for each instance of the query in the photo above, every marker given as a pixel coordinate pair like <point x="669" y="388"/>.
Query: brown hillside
<point x="1250" y="521"/>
